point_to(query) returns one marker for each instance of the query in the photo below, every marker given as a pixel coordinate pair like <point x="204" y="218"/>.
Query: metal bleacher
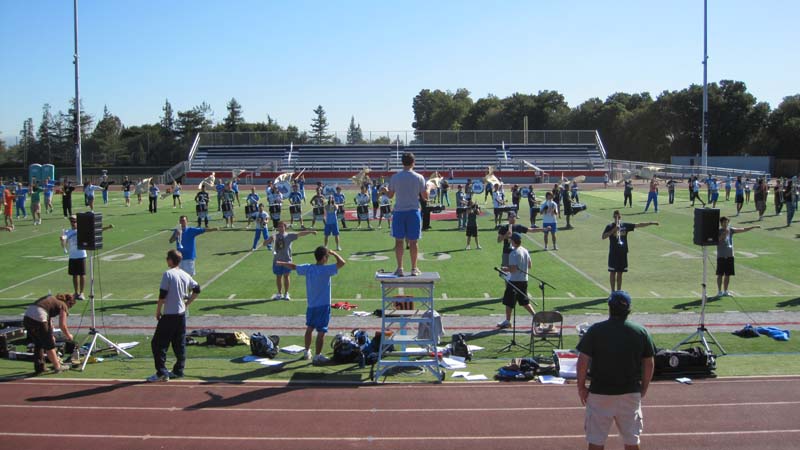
<point x="212" y="153"/>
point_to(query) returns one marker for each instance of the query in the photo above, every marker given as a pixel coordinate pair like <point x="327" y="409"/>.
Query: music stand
<point x="93" y="330"/>
<point x="513" y="342"/>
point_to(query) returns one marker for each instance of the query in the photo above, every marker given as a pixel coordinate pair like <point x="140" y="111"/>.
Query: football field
<point x="665" y="267"/>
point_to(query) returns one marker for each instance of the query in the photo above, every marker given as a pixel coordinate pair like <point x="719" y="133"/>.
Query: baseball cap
<point x="516" y="237"/>
<point x="619" y="301"/>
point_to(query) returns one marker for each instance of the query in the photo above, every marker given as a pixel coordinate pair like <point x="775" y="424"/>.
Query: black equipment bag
<point x="692" y="361"/>
<point x="460" y="348"/>
<point x="264" y="346"/>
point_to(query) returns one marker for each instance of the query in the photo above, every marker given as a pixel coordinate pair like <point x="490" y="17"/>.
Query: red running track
<point x="731" y="413"/>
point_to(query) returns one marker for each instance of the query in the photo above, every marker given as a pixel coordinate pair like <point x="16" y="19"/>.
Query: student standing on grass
<point x="36" y="204"/>
<point x="202" y="199"/>
<point x="152" y="197"/>
<point x="627" y="194"/>
<point x="76" y="267"/>
<point x="177" y="291"/>
<point x="549" y="214"/>
<point x="409" y="188"/>
<point x="261" y="219"/>
<point x="790" y="196"/>
<point x="49" y="187"/>
<point x="739" y="194"/>
<point x="505" y="231"/>
<point x="671" y="190"/>
<point x="176" y="195"/>
<point x="331" y="222"/>
<point x="517" y="267"/>
<point x="473" y="211"/>
<point x="126" y="190"/>
<point x="21" y="194"/>
<point x="652" y="195"/>
<point x="282" y="242"/>
<point x="617" y="234"/>
<point x="184" y="238"/>
<point x="66" y="198"/>
<point x="8" y="206"/>
<point x="619" y="354"/>
<point x="725" y="267"/>
<point x="318" y="290"/>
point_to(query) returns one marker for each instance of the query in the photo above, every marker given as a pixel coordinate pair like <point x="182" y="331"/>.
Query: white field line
<point x="64" y="267"/>
<point x="217" y="276"/>
<point x="147" y="296"/>
<point x="231" y="297"/>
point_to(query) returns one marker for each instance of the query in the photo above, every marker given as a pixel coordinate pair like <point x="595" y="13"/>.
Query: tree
<point x="354" y="134"/>
<point x="168" y="119"/>
<point x="106" y="136"/>
<point x="234" y="118"/>
<point x="440" y="110"/>
<point x="47" y="134"/>
<point x="194" y="120"/>
<point x="784" y="127"/>
<point x="27" y="142"/>
<point x="319" y="126"/>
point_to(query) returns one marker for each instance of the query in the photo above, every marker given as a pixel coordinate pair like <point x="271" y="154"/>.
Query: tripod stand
<point x="93" y="330"/>
<point x="699" y="335"/>
<point x="513" y="342"/>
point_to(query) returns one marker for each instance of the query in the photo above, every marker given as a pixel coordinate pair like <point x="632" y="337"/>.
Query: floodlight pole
<point x="78" y="164"/>
<point x="704" y="155"/>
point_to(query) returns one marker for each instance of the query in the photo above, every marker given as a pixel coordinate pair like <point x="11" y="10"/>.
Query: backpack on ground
<point x="263" y="346"/>
<point x="346" y="349"/>
<point x="460" y="347"/>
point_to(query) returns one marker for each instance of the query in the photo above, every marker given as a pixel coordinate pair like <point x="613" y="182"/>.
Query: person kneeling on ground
<point x="318" y="290"/>
<point x="39" y="326"/>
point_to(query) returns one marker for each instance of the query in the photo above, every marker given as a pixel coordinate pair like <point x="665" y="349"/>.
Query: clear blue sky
<point x="368" y="59"/>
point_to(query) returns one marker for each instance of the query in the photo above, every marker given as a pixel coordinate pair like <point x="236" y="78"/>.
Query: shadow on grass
<point x="792" y="302"/>
<point x="239" y="305"/>
<point x="15" y="306"/>
<point x="96" y="390"/>
<point x="234" y="252"/>
<point x="588" y="304"/>
<point x="695" y="303"/>
<point x="136" y="305"/>
<point x="466" y="306"/>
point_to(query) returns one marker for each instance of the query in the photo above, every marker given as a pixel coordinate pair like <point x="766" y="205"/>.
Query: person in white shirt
<point x="550" y="213"/>
<point x="498" y="201"/>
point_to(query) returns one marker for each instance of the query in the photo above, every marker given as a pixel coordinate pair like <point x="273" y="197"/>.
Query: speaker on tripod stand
<point x="706" y="233"/>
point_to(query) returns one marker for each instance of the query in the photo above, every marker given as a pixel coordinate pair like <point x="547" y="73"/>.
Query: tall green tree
<point x="319" y="126"/>
<point x="354" y="133"/>
<point x="168" y="123"/>
<point x="27" y="142"/>
<point x="234" y="119"/>
<point x="106" y="136"/>
<point x="784" y="127"/>
<point x="194" y="120"/>
<point x="46" y="134"/>
<point x="440" y="110"/>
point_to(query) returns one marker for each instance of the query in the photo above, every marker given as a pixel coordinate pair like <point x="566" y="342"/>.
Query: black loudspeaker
<point x="90" y="231"/>
<point x="706" y="226"/>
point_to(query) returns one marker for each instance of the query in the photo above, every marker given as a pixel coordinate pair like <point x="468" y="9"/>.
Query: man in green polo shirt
<point x="619" y="355"/>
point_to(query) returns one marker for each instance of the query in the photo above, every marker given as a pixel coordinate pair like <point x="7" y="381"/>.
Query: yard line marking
<point x="230" y="297"/>
<point x="655" y="293"/>
<point x="211" y="315"/>
<point x="147" y="296"/>
<point x="776" y="292"/>
<point x="358" y="296"/>
<point x="61" y="269"/>
<point x="696" y="294"/>
<point x="486" y="295"/>
<point x="120" y="315"/>
<point x="444" y="296"/>
<point x="216" y="277"/>
<point x="571" y="295"/>
<point x="29" y="237"/>
<point x="735" y="294"/>
<point x="27" y="295"/>
<point x="571" y="266"/>
<point x="107" y="296"/>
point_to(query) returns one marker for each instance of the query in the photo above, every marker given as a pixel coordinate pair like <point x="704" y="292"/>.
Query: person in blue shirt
<point x="261" y="219"/>
<point x="152" y="198"/>
<point x="331" y="222"/>
<point x="714" y="186"/>
<point x="338" y="197"/>
<point x="104" y="184"/>
<point x="301" y="183"/>
<point x="251" y="206"/>
<point x="21" y="194"/>
<point x="49" y="187"/>
<point x="235" y="187"/>
<point x="184" y="238"/>
<point x="739" y="196"/>
<point x="318" y="291"/>
<point x="295" y="198"/>
<point x="728" y="188"/>
<point x="375" y="197"/>
<point x="220" y="186"/>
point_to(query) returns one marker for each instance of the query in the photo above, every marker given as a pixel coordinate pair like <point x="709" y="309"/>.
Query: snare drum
<point x="295" y="212"/>
<point x="524" y="192"/>
<point x="328" y="190"/>
<point x="363" y="212"/>
<point x="275" y="212"/>
<point x="535" y="209"/>
<point x="386" y="210"/>
<point x="319" y="212"/>
<point x="578" y="207"/>
<point x="461" y="210"/>
<point x="477" y="187"/>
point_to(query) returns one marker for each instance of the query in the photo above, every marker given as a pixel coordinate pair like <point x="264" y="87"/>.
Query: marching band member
<point x="362" y="206"/>
<point x="251" y="206"/>
<point x="202" y="199"/>
<point x="176" y="195"/>
<point x="317" y="204"/>
<point x="385" y="208"/>
<point x="532" y="202"/>
<point x="227" y="205"/>
<point x="295" y="198"/>
<point x="549" y="214"/>
<point x="331" y="222"/>
<point x="261" y="219"/>
<point x="338" y="198"/>
<point x="498" y="201"/>
<point x="374" y="192"/>
<point x="617" y="234"/>
<point x="275" y="199"/>
<point x="473" y="210"/>
<point x="461" y="208"/>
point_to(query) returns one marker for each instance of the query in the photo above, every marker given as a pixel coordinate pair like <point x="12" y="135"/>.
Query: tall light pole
<point x="78" y="165"/>
<point x="704" y="157"/>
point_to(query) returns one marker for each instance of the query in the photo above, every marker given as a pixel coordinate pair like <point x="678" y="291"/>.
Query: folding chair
<point x="546" y="328"/>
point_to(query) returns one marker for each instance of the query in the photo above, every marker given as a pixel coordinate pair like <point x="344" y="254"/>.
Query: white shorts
<point x="625" y="410"/>
<point x="187" y="265"/>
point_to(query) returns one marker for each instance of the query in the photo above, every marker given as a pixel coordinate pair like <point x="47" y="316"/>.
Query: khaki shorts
<point x="625" y="410"/>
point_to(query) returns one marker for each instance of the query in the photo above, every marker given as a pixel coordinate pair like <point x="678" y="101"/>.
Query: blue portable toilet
<point x="34" y="173"/>
<point x="48" y="171"/>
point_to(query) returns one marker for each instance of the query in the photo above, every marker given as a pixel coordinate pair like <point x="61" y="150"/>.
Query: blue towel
<point x="774" y="333"/>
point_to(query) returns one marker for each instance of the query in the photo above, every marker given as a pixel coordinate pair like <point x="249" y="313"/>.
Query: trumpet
<point x="619" y="232"/>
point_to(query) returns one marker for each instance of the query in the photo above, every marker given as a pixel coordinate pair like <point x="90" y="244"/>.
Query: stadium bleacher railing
<point x="619" y="169"/>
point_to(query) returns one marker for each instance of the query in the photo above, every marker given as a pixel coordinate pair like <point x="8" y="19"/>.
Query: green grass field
<point x="665" y="267"/>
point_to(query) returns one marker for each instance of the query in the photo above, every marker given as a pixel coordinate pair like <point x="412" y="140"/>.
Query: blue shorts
<point x="126" y="194"/>
<point x="407" y="225"/>
<point x="714" y="196"/>
<point x="553" y="227"/>
<point x="318" y="317"/>
<point x="332" y="229"/>
<point x="279" y="270"/>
